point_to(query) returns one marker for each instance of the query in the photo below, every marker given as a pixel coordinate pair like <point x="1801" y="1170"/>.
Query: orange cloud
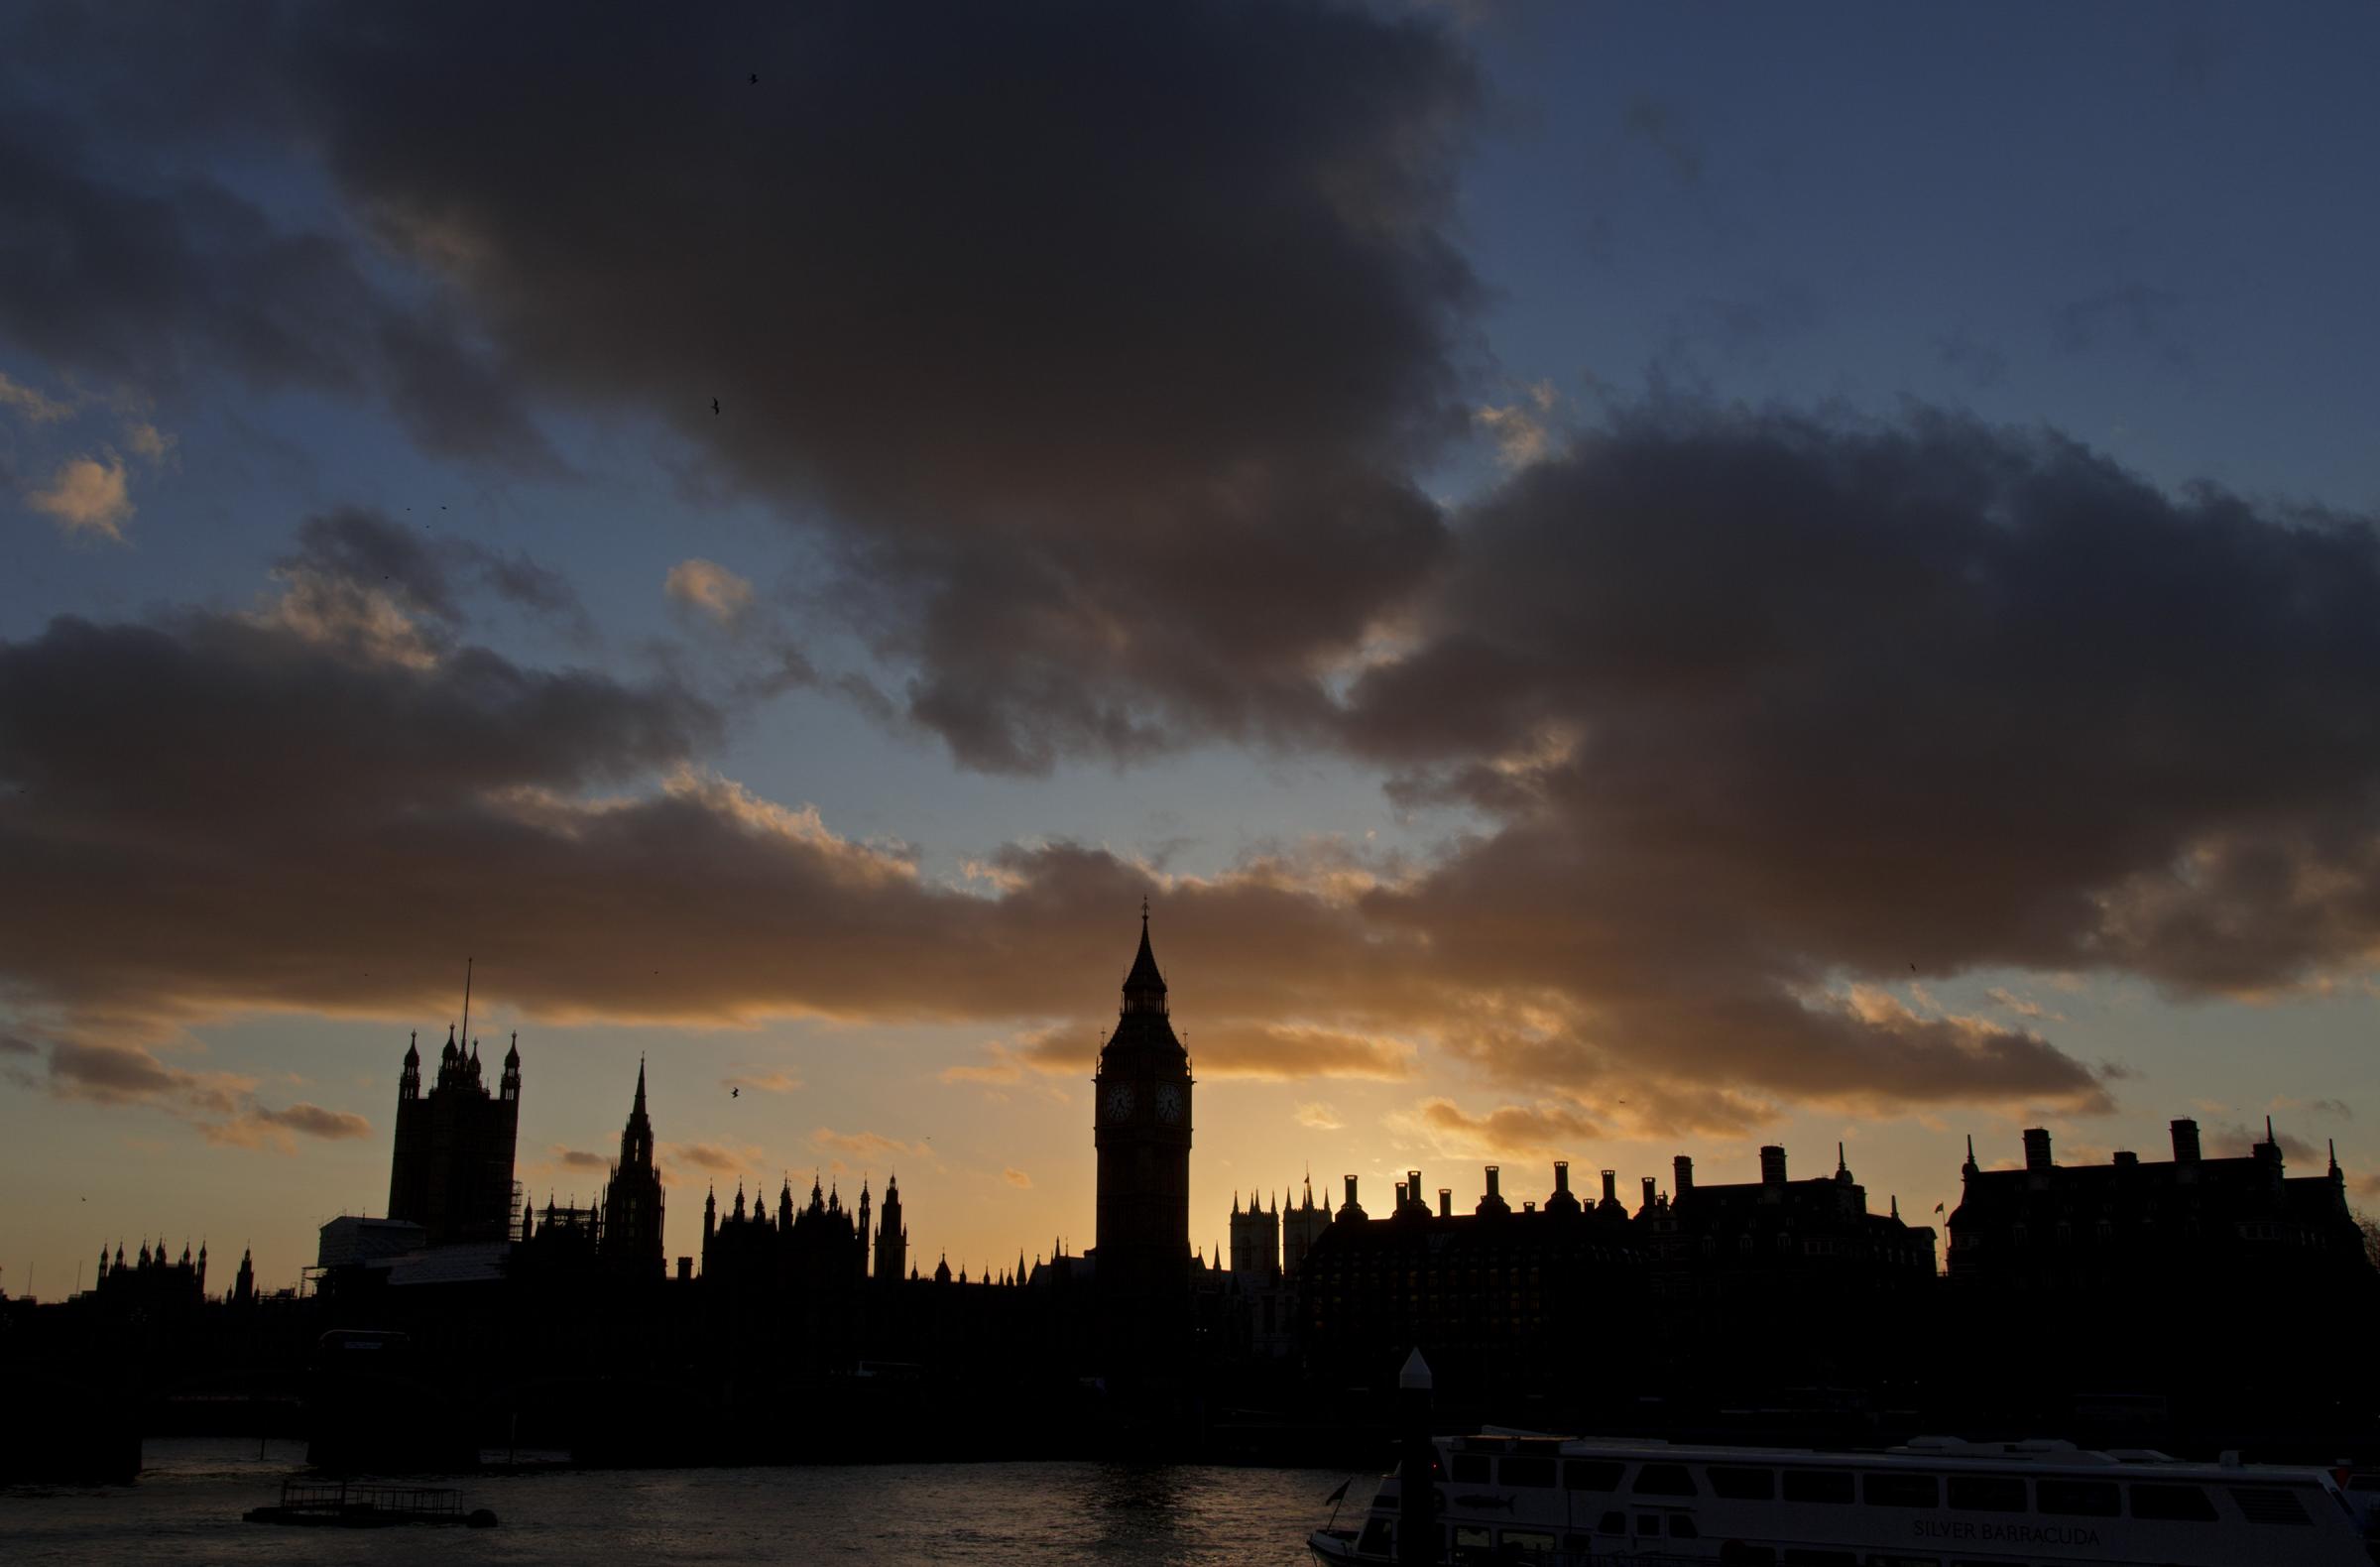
<point x="862" y="1144"/>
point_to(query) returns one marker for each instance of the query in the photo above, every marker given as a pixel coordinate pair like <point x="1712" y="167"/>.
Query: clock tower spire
<point x="1141" y="1100"/>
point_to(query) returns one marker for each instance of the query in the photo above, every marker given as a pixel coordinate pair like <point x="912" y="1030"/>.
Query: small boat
<point x="1935" y="1502"/>
<point x="338" y="1503"/>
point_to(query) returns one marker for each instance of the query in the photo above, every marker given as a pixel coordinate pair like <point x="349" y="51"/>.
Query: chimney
<point x="1682" y="1181"/>
<point x="2186" y="1143"/>
<point x="1400" y="1196"/>
<point x="2126" y="1159"/>
<point x="685" y="1269"/>
<point x="1648" y="1191"/>
<point x="1421" y="1204"/>
<point x="1494" y="1179"/>
<point x="1446" y="1202"/>
<point x="1772" y="1165"/>
<point x="1561" y="1174"/>
<point x="2037" y="1148"/>
<point x="1611" y="1185"/>
<point x="1350" y="1192"/>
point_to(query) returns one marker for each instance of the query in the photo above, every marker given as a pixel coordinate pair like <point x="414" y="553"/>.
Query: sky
<point x="1624" y="580"/>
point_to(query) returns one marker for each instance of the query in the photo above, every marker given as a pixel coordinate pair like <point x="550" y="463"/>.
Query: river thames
<point x="187" y="1507"/>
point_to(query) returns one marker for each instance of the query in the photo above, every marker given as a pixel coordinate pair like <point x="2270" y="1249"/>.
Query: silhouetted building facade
<point x="1776" y="1237"/>
<point x="632" y="1199"/>
<point x="452" y="1169"/>
<point x="2064" y="1228"/>
<point x="821" y="1245"/>
<point x="1492" y="1297"/>
<point x="1141" y="1129"/>
<point x="152" y="1282"/>
<point x="1257" y="1241"/>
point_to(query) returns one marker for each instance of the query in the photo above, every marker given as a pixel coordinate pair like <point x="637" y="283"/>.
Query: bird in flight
<point x="755" y="78"/>
<point x="735" y="1093"/>
<point x="714" y="405"/>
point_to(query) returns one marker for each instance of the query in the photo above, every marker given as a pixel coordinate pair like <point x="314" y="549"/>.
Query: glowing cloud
<point x="87" y="498"/>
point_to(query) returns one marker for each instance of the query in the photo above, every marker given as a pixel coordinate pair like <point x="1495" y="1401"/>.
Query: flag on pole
<point x="1938" y="1207"/>
<point x="1341" y="1493"/>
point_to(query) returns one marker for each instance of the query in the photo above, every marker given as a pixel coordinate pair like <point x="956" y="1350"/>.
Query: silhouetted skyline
<point x="1622" y="587"/>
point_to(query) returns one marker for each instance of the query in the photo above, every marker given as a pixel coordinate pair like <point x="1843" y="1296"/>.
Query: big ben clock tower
<point x="1141" y="1095"/>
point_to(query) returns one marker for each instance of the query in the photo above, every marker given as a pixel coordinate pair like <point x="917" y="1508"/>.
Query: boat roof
<point x="1943" y="1453"/>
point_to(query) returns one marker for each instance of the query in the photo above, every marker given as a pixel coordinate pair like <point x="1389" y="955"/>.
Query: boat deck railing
<point x="316" y="1496"/>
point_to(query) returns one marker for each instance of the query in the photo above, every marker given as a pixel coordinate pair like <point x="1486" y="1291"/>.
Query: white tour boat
<point x="1938" y="1502"/>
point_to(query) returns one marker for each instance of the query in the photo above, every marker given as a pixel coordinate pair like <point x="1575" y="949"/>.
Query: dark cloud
<point x="1237" y="1048"/>
<point x="222" y="1105"/>
<point x="112" y="1075"/>
<point x="1806" y="679"/>
<point x="1105" y="338"/>
<point x="367" y="550"/>
<point x="133" y="276"/>
<point x="356" y="550"/>
<point x="580" y="1160"/>
<point x="1759" y="714"/>
<point x="278" y="733"/>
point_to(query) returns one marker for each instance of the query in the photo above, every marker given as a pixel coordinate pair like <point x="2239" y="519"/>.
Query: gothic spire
<point x="1145" y="987"/>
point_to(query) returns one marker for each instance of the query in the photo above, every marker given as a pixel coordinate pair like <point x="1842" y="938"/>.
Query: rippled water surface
<point x="186" y="1509"/>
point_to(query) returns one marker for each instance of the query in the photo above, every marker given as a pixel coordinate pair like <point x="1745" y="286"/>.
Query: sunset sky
<point x="1626" y="581"/>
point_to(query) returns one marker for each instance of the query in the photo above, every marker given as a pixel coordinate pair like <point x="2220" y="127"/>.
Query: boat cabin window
<point x="2173" y="1503"/>
<point x="1591" y="1474"/>
<point x="1664" y="1480"/>
<point x="1613" y="1524"/>
<point x="2078" y="1499"/>
<point x="1528" y="1543"/>
<point x="1648" y="1523"/>
<point x="1378" y="1537"/>
<point x="1681" y="1528"/>
<point x="1818" y="1484"/>
<point x="1742" y="1484"/>
<point x="1470" y="1468"/>
<point x="1526" y="1471"/>
<point x="1893" y="1488"/>
<point x="2269" y="1505"/>
<point x="1987" y="1494"/>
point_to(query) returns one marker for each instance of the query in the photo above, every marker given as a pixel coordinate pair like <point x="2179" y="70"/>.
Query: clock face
<point x="1118" y="1102"/>
<point x="1169" y="1103"/>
